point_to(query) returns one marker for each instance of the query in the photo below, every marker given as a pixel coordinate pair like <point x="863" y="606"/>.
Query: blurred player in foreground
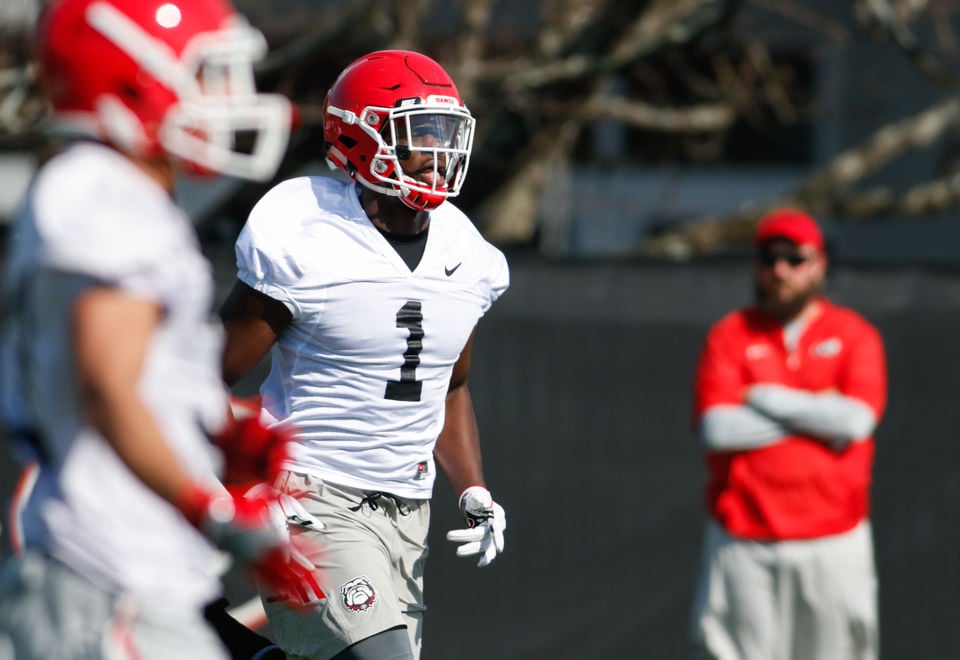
<point x="787" y="395"/>
<point x="368" y="293"/>
<point x="110" y="365"/>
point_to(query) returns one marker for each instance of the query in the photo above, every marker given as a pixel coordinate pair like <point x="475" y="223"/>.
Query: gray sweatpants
<point x="813" y="599"/>
<point x="50" y="612"/>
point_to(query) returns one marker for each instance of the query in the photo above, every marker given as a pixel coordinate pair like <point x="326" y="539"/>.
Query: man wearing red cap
<point x="787" y="395"/>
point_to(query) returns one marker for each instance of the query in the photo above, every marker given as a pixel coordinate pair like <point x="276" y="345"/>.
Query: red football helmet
<point x="392" y="107"/>
<point x="163" y="78"/>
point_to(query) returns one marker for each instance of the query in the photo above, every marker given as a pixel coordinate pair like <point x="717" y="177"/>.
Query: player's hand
<point x="252" y="452"/>
<point x="486" y="521"/>
<point x="253" y="530"/>
<point x="288" y="506"/>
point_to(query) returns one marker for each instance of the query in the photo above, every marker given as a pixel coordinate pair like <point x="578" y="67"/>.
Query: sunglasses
<point x="769" y="258"/>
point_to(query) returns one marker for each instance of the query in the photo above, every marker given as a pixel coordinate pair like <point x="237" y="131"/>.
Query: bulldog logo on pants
<point x="358" y="594"/>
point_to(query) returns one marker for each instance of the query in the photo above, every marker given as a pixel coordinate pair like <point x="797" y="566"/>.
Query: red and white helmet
<point x="163" y="78"/>
<point x="376" y="103"/>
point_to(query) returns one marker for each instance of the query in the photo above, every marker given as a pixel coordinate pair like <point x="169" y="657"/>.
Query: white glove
<point x="289" y="508"/>
<point x="296" y="514"/>
<point x="486" y="521"/>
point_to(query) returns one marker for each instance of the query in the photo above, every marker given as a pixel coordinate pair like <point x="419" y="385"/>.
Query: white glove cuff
<point x="476" y="500"/>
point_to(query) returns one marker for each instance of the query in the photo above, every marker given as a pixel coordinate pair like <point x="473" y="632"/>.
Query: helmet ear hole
<point x="129" y="92"/>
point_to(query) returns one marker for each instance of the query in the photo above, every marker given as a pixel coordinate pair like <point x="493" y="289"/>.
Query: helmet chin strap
<point x="120" y="126"/>
<point x="419" y="200"/>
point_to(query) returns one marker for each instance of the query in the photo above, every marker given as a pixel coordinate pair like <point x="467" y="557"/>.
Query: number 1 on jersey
<point x="408" y="387"/>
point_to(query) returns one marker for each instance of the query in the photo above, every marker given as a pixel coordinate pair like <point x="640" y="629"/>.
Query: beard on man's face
<point x="786" y="306"/>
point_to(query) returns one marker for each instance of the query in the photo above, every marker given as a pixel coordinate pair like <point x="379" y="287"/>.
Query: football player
<point x="368" y="293"/>
<point x="110" y="366"/>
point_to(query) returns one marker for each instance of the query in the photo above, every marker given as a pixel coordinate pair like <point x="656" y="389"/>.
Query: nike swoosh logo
<point x="451" y="271"/>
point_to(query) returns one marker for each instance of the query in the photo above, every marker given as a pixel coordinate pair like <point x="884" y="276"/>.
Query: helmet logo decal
<point x="406" y="103"/>
<point x="435" y="99"/>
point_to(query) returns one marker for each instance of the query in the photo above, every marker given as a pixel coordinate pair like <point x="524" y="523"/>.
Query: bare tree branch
<point x="684" y="72"/>
<point x="803" y="15"/>
<point x="880" y="148"/>
<point x="563" y="22"/>
<point x="821" y="192"/>
<point x="311" y="42"/>
<point x="704" y="117"/>
<point x="660" y="26"/>
<point x="882" y="17"/>
<point x="469" y="52"/>
<point x="511" y="213"/>
<point x="916" y="202"/>
<point x="409" y="16"/>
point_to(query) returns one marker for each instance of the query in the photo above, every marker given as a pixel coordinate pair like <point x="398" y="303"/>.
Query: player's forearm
<point x="134" y="435"/>
<point x="239" y="356"/>
<point x="458" y="448"/>
<point x="252" y="322"/>
<point x="111" y="334"/>
<point x="829" y="416"/>
<point x="738" y="427"/>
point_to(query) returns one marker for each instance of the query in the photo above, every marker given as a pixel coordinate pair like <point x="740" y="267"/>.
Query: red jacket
<point x="799" y="487"/>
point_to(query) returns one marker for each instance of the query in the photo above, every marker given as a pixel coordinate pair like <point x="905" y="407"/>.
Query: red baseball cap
<point x="791" y="224"/>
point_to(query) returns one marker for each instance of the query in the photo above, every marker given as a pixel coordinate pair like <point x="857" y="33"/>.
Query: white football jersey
<point x="91" y="219"/>
<point x="363" y="370"/>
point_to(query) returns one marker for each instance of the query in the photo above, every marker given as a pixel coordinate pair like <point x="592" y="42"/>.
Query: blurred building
<point x="16" y="14"/>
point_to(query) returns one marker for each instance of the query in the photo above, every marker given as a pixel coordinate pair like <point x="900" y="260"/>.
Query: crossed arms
<point x="741" y="405"/>
<point x="771" y="412"/>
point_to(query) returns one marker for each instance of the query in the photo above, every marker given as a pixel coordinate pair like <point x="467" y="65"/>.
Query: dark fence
<point x="581" y="380"/>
